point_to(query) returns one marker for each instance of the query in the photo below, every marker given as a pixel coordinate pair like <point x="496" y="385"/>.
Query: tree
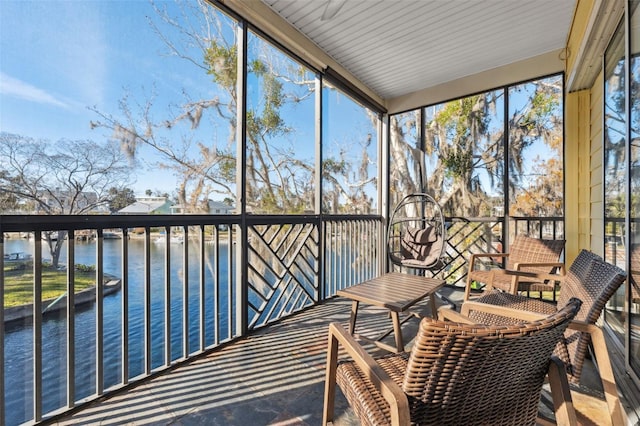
<point x="120" y="198"/>
<point x="544" y="195"/>
<point x="8" y="202"/>
<point x="539" y="119"/>
<point x="202" y="166"/>
<point x="65" y="177"/>
<point x="279" y="179"/>
<point x="467" y="149"/>
<point x="344" y="179"/>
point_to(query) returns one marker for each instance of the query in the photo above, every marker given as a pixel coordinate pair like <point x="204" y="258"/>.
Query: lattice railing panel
<point x="352" y="251"/>
<point x="283" y="266"/>
<point x="464" y="238"/>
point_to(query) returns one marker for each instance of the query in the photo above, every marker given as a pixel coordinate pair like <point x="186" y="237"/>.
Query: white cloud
<point x="59" y="47"/>
<point x="10" y="86"/>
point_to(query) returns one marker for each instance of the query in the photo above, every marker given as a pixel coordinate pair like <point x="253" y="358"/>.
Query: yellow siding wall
<point x="583" y="127"/>
<point x="577" y="172"/>
<point x="596" y="206"/>
<point x="583" y="170"/>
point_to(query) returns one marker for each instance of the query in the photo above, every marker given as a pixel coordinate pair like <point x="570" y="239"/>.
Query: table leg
<point x="354" y="316"/>
<point x="397" y="330"/>
<point x="432" y="306"/>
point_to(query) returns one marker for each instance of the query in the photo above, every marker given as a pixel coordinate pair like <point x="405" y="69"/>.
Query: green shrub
<point x="85" y="268"/>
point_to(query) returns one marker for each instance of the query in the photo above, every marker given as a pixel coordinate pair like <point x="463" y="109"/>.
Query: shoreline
<point x="88" y="295"/>
<point x="116" y="235"/>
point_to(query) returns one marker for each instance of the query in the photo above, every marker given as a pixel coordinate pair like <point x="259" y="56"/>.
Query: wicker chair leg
<point x="603" y="363"/>
<point x="467" y="289"/>
<point x="562" y="403"/>
<point x="390" y="391"/>
<point x="330" y="380"/>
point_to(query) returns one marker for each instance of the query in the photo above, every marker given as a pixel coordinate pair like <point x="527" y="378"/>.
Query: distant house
<point x="148" y="205"/>
<point x="215" y="207"/>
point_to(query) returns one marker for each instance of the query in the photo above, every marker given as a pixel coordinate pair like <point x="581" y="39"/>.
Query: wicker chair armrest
<point x="560" y="265"/>
<point x="617" y="413"/>
<point x="502" y="311"/>
<point x="445" y="313"/>
<point x="389" y="390"/>
<point x="539" y="276"/>
<point x="584" y="326"/>
<point x="475" y="256"/>
<point x="490" y="255"/>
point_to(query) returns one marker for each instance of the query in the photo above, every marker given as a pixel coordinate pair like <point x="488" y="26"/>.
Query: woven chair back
<point x="475" y="374"/>
<point x="534" y="250"/>
<point x="593" y="281"/>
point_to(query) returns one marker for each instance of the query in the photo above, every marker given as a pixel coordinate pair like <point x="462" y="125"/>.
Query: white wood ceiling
<point x="397" y="47"/>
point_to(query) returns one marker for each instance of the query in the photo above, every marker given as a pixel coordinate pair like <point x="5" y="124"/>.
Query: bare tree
<point x="279" y="178"/>
<point x="65" y="177"/>
<point x="202" y="165"/>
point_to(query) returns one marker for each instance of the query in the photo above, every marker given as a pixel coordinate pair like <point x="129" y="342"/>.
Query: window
<point x="281" y="139"/>
<point x="125" y="100"/>
<point x="535" y="154"/>
<point x="463" y="146"/>
<point x="148" y="104"/>
<point x="349" y="154"/>
<point x="460" y="158"/>
<point x="615" y="142"/>
<point x="634" y="189"/>
<point x="406" y="165"/>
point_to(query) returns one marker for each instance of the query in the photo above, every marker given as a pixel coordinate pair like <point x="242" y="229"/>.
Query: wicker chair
<point x="416" y="235"/>
<point x="454" y="373"/>
<point x="589" y="279"/>
<point x="525" y="254"/>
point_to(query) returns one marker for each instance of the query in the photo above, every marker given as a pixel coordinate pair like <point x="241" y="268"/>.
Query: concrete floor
<point x="273" y="377"/>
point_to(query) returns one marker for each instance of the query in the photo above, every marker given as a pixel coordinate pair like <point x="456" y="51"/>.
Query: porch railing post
<point x="242" y="238"/>
<point x="124" y="285"/>
<point x="320" y="261"/>
<point x="71" y="318"/>
<point x="37" y="327"/>
<point x="2" y="395"/>
<point x="99" y="311"/>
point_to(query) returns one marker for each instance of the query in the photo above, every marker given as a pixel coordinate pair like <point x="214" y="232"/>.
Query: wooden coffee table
<point x="394" y="291"/>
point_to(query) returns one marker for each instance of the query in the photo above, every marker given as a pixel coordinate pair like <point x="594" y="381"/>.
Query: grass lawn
<point x="18" y="283"/>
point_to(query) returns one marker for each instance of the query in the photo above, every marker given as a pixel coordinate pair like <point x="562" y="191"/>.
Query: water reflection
<point x="19" y="340"/>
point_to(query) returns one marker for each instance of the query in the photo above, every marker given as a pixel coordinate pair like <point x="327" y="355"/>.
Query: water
<point x="19" y="336"/>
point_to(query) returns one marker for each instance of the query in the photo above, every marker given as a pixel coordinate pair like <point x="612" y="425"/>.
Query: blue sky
<point x="58" y="58"/>
<point x="48" y="78"/>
